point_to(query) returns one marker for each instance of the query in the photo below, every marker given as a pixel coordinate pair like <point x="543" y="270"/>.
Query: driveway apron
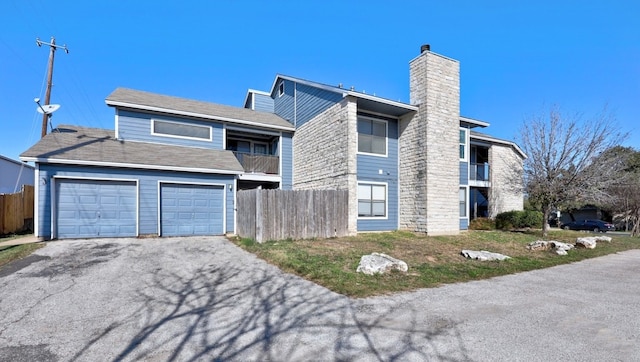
<point x="203" y="298"/>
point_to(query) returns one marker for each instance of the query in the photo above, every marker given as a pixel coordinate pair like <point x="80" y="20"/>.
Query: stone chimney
<point x="429" y="147"/>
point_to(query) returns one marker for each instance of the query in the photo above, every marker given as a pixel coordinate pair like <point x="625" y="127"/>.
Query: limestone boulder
<point x="538" y="245"/>
<point x="560" y="248"/>
<point x="378" y="263"/>
<point x="602" y="238"/>
<point x="589" y="242"/>
<point x="557" y="247"/>
<point x="483" y="255"/>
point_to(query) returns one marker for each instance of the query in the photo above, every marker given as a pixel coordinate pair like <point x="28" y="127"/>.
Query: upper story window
<point x="281" y="89"/>
<point x="372" y="136"/>
<point x="463" y="144"/>
<point x="180" y="130"/>
<point x="248" y="146"/>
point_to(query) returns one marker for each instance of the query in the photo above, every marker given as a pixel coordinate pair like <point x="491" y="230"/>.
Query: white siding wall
<point x="506" y="192"/>
<point x="14" y="174"/>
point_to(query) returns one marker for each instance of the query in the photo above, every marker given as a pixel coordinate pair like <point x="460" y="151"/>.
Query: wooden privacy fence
<point x="16" y="211"/>
<point x="301" y="214"/>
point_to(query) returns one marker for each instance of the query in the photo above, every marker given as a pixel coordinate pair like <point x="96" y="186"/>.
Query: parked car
<point x="593" y="225"/>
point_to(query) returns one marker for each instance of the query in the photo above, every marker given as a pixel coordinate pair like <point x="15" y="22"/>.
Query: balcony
<point x="479" y="172"/>
<point x="258" y="163"/>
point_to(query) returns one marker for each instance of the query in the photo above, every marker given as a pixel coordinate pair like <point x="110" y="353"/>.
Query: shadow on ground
<point x="222" y="312"/>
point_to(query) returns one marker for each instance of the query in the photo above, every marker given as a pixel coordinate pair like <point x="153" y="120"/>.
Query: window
<point x="180" y="130"/>
<point x="463" y="144"/>
<point x="372" y="200"/>
<point x="372" y="136"/>
<point x="260" y="148"/>
<point x="463" y="201"/>
<point x="281" y="89"/>
<point x="247" y="146"/>
<point x="239" y="146"/>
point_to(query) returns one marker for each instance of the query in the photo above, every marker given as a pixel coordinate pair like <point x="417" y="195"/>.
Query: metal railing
<point x="257" y="163"/>
<point x="479" y="172"/>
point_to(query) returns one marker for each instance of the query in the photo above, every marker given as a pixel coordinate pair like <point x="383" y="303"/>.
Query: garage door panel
<point x="88" y="208"/>
<point x="191" y="210"/>
<point x="85" y="214"/>
<point x="202" y="203"/>
<point x="109" y="200"/>
<point x="127" y="215"/>
<point x="110" y="215"/>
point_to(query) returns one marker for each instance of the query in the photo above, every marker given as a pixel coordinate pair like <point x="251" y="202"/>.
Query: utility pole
<point x="47" y="97"/>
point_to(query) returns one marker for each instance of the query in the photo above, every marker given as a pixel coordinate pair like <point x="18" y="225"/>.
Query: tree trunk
<point x="635" y="230"/>
<point x="545" y="220"/>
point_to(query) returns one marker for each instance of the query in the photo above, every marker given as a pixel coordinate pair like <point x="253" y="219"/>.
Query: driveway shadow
<point x="228" y="312"/>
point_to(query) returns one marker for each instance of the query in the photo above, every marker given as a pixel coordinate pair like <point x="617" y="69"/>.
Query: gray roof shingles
<point x="72" y="143"/>
<point x="134" y="99"/>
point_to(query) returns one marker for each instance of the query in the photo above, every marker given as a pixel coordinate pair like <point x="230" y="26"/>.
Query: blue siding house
<point x="171" y="166"/>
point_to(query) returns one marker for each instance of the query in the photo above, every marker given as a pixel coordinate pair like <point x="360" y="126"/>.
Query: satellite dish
<point x="48" y="108"/>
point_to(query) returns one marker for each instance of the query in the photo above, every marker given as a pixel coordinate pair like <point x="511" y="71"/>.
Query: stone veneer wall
<point x="324" y="154"/>
<point x="429" y="155"/>
<point x="506" y="191"/>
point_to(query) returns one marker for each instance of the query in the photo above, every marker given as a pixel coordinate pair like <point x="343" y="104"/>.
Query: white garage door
<point x="191" y="210"/>
<point x="86" y="209"/>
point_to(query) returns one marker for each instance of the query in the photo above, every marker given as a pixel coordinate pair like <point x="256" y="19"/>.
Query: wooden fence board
<point x="301" y="214"/>
<point x="16" y="210"/>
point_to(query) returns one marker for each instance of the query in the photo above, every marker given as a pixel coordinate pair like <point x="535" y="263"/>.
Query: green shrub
<point x="507" y="220"/>
<point x="531" y="219"/>
<point x="519" y="219"/>
<point x="482" y="223"/>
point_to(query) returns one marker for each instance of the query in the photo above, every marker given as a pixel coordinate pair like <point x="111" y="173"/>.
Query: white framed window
<point x="281" y="88"/>
<point x="372" y="200"/>
<point x="462" y="197"/>
<point x="180" y="130"/>
<point x="372" y="136"/>
<point x="463" y="144"/>
<point x="248" y="146"/>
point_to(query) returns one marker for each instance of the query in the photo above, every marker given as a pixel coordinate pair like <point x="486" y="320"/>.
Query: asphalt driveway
<point x="202" y="298"/>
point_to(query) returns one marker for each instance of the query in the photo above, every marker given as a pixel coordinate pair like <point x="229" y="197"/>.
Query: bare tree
<point x="563" y="164"/>
<point x="625" y="200"/>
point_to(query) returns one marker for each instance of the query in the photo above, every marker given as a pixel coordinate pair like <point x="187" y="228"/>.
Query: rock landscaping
<point x="483" y="255"/>
<point x="378" y="263"/>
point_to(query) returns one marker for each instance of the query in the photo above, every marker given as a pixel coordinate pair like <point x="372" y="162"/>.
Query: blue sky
<point x="516" y="58"/>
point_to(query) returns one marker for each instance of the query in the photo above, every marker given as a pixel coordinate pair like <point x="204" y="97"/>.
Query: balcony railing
<point x="479" y="172"/>
<point x="257" y="163"/>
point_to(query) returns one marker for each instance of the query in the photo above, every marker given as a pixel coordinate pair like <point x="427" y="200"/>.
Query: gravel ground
<point x="203" y="299"/>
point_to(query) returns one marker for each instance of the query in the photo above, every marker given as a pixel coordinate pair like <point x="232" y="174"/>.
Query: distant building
<point x="14" y="174"/>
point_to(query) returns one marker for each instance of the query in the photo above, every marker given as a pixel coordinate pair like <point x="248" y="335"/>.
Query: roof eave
<point x="113" y="103"/>
<point x="500" y="141"/>
<point x="254" y="91"/>
<point x="475" y="122"/>
<point x="15" y="162"/>
<point x="407" y="107"/>
<point x="129" y="165"/>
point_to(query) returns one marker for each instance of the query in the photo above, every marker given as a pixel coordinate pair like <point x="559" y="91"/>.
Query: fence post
<point x="259" y="217"/>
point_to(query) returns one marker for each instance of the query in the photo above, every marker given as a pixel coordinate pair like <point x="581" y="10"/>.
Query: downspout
<point x="295" y="104"/>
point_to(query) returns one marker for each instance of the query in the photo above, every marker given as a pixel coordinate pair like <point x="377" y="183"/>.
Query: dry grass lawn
<point x="432" y="261"/>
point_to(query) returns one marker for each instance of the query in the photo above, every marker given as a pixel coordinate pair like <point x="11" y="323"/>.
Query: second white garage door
<point x="191" y="210"/>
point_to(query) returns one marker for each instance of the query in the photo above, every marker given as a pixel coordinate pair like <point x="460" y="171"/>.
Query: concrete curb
<point x="29" y="239"/>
